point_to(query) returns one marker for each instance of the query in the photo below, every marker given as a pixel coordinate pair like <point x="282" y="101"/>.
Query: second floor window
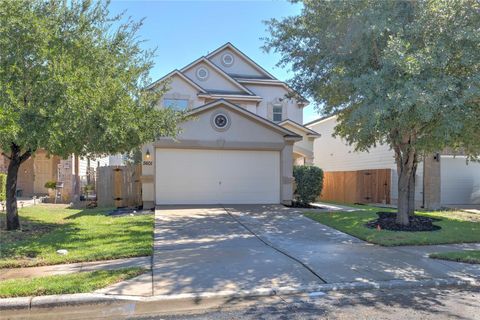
<point x="177" y="104"/>
<point x="277" y="113"/>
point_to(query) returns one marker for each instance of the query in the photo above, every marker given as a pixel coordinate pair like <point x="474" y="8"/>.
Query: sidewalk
<point x="330" y="207"/>
<point x="30" y="272"/>
<point x="214" y="256"/>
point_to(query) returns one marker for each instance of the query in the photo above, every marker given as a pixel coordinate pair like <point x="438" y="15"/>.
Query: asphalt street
<point x="383" y="304"/>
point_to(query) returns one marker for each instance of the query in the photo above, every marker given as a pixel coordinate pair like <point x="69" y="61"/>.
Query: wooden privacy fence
<point x="363" y="186"/>
<point x="119" y="186"/>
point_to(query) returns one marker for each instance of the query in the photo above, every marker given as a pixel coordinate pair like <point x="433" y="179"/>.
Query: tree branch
<point x="25" y="156"/>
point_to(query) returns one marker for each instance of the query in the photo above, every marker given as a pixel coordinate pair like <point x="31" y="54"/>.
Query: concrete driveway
<point x="338" y="257"/>
<point x="207" y="250"/>
<point x="262" y="247"/>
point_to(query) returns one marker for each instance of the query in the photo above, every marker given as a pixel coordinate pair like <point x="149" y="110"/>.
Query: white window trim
<point x="175" y="98"/>
<point x="277" y="113"/>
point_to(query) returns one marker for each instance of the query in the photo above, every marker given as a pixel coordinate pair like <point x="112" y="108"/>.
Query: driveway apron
<point x="336" y="256"/>
<point x="207" y="250"/>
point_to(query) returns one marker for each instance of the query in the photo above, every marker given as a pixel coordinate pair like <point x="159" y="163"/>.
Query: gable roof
<point x="232" y="96"/>
<point x="230" y="46"/>
<point x="253" y="116"/>
<point x="181" y="75"/>
<point x="274" y="82"/>
<point x="223" y="73"/>
<point x="297" y="125"/>
<point x="316" y="121"/>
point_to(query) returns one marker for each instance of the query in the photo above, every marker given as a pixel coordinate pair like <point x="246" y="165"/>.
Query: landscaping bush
<point x="3" y="187"/>
<point x="309" y="183"/>
<point x="50" y="185"/>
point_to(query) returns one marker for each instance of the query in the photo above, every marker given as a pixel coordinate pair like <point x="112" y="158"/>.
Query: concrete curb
<point x="163" y="302"/>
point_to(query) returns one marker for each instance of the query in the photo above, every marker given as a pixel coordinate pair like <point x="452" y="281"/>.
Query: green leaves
<point x="394" y="71"/>
<point x="72" y="80"/>
<point x="3" y="184"/>
<point x="309" y="183"/>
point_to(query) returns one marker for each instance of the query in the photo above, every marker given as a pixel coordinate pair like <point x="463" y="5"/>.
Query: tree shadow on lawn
<point x="37" y="242"/>
<point x="30" y="227"/>
<point x="89" y="213"/>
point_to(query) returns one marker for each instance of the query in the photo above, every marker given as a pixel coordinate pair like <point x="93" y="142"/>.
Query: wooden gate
<point x="363" y="186"/>
<point x="119" y="186"/>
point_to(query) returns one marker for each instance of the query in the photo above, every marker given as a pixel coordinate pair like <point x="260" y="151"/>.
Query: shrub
<point x="3" y="187"/>
<point x="50" y="185"/>
<point x="309" y="183"/>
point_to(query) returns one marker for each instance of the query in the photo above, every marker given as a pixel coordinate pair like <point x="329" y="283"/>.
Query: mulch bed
<point x="128" y="211"/>
<point x="297" y="204"/>
<point x="386" y="221"/>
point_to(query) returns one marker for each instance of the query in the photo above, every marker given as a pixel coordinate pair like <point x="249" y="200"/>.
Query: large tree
<point x="401" y="73"/>
<point x="71" y="81"/>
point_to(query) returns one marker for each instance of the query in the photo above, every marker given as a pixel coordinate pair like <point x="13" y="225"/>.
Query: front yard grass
<point x="87" y="234"/>
<point x="468" y="256"/>
<point x="81" y="282"/>
<point x="457" y="227"/>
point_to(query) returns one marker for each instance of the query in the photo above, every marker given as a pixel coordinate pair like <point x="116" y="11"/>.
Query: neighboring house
<point x="41" y="168"/>
<point x="441" y="180"/>
<point x="243" y="138"/>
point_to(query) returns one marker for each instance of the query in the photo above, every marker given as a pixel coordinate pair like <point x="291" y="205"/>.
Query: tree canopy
<point x="404" y="73"/>
<point x="72" y="79"/>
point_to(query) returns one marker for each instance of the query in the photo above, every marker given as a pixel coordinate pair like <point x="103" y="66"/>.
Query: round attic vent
<point x="220" y="121"/>
<point x="227" y="59"/>
<point x="202" y="73"/>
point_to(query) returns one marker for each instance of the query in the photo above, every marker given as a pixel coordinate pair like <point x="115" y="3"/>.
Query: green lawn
<point x="457" y="227"/>
<point x="65" y="284"/>
<point x="87" y="234"/>
<point x="468" y="256"/>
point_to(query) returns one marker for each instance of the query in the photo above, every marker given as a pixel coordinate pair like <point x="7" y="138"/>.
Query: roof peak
<point x="243" y="55"/>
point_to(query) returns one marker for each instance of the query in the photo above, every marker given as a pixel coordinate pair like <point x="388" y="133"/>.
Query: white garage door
<point x="190" y="176"/>
<point x="460" y="182"/>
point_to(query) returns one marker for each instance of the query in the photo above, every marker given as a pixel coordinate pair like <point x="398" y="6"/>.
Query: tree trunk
<point x="403" y="197"/>
<point x="15" y="160"/>
<point x="411" y="191"/>
<point x="13" y="222"/>
<point x="406" y="166"/>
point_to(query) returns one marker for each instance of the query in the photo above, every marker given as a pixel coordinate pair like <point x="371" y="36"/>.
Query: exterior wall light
<point x="147" y="154"/>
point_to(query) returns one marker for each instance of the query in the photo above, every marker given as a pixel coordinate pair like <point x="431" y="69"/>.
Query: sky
<point x="182" y="31"/>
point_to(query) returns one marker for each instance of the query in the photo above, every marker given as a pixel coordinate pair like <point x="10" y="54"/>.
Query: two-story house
<point x="241" y="142"/>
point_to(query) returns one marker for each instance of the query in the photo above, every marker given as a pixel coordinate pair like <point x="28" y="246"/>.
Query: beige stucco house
<point x="241" y="142"/>
<point x="442" y="179"/>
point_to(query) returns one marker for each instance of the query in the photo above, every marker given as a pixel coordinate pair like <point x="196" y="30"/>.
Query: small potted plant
<point x="52" y="189"/>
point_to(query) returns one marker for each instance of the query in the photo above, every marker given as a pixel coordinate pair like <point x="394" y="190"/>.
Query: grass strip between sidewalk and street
<point x="81" y="282"/>
<point x="456" y="227"/>
<point x="467" y="256"/>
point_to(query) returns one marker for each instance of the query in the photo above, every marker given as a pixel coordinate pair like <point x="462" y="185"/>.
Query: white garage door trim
<point x="200" y="176"/>
<point x="460" y="182"/>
